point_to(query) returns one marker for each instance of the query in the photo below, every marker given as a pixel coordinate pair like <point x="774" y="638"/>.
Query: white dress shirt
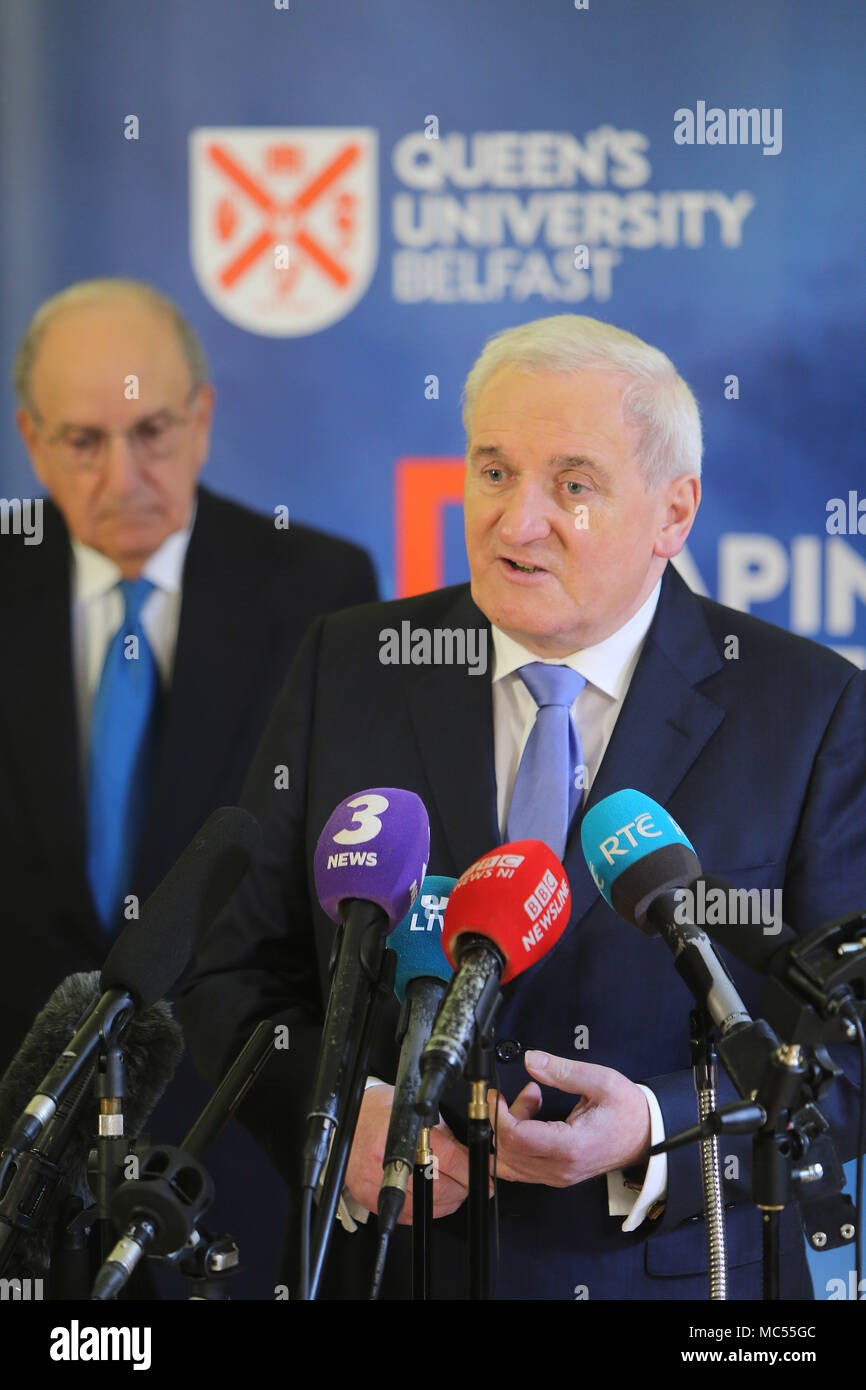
<point x="97" y="612"/>
<point x="607" y="669"/>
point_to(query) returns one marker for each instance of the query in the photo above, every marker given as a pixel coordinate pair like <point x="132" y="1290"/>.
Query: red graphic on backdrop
<point x="424" y="487"/>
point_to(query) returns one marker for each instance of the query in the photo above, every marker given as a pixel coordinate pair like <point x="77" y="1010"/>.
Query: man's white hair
<point x="655" y="398"/>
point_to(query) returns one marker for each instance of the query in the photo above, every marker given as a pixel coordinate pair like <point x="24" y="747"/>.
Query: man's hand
<point x="364" y="1172"/>
<point x="608" y="1128"/>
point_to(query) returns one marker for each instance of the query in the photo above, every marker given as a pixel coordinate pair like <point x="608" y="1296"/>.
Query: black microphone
<point x="504" y="913"/>
<point x="367" y="889"/>
<point x="724" y="915"/>
<point x="420" y="981"/>
<point x="149" y="956"/>
<point x="698" y="964"/>
<point x="56" y="1165"/>
<point x="641" y="863"/>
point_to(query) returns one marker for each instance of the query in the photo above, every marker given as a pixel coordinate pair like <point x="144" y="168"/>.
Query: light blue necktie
<point x="122" y="746"/>
<point x="546" y="793"/>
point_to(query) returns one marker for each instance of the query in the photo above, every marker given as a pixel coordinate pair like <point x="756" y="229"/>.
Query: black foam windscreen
<point x="634" y="890"/>
<point x="52" y="1030"/>
<point x="151" y="954"/>
<point x="152" y="1046"/>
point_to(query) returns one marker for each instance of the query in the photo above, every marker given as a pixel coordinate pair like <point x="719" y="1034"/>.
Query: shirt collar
<point x="608" y="665"/>
<point x="94" y="574"/>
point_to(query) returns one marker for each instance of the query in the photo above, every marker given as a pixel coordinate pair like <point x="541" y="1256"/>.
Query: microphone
<point x="149" y="956"/>
<point x="641" y="861"/>
<point x="422" y="976"/>
<point x="755" y="949"/>
<point x="635" y="851"/>
<point x="814" y="983"/>
<point x="505" y="912"/>
<point x="58" y="1162"/>
<point x="369" y="863"/>
<point x="640" y="858"/>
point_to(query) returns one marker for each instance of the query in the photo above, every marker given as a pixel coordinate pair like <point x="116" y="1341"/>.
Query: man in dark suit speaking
<point x="582" y="482"/>
<point x="145" y="637"/>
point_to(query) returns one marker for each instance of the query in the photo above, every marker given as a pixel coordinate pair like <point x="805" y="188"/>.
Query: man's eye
<point x="151" y="429"/>
<point x="572" y="483"/>
<point x="82" y="443"/>
<point x="489" y="472"/>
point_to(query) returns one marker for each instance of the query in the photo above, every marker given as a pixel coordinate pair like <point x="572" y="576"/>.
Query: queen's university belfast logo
<point x="284" y="223"/>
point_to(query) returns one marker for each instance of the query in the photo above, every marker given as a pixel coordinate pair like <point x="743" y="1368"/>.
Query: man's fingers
<point x="566" y="1074"/>
<point x="452" y="1158"/>
<point x="524" y="1107"/>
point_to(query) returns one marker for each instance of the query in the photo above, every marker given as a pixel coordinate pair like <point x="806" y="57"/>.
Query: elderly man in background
<point x="145" y="638"/>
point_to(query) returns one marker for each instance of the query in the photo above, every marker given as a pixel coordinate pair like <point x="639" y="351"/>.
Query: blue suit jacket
<point x="760" y="758"/>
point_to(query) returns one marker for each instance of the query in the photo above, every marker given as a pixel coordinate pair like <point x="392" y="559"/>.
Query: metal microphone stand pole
<point x="479" y="1075"/>
<point x="423" y="1175"/>
<point x="704" y="1065"/>
<point x="158" y="1212"/>
<point x="111" y="1145"/>
<point x="772" y="1154"/>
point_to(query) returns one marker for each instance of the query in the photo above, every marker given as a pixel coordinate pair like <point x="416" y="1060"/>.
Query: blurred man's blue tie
<point x="547" y="789"/>
<point x="123" y="732"/>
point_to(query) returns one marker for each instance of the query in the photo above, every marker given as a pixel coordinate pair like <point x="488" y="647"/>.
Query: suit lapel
<point x="664" y="722"/>
<point x="452" y="713"/>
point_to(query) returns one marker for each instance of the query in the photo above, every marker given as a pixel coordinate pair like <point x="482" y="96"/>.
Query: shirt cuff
<point x="631" y="1200"/>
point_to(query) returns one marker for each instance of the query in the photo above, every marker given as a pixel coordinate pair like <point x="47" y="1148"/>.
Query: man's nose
<point x="525" y="515"/>
<point x="121" y="472"/>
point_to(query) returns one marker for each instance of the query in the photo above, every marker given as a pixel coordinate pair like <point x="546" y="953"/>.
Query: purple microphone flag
<point x="375" y="847"/>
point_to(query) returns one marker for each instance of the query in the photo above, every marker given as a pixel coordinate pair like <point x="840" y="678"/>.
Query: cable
<point x="306" y="1231"/>
<point x="495" y="1185"/>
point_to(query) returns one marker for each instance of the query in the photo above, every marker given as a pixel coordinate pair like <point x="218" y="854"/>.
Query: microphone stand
<point x="423" y="1175"/>
<point x="111" y="1146"/>
<point x="34" y="1191"/>
<point x="704" y="1065"/>
<point x="779" y="1095"/>
<point x="778" y="1119"/>
<point x="380" y="964"/>
<point x="159" y="1212"/>
<point x="479" y="1075"/>
<point x="69" y="1274"/>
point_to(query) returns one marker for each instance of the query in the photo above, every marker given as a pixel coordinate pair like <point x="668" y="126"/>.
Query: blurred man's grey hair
<point x="86" y="292"/>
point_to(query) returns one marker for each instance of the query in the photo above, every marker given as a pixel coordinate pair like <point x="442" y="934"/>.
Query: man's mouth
<point x="128" y="517"/>
<point x="523" y="569"/>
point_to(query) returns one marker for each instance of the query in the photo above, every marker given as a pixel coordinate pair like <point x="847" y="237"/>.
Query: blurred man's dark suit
<point x="760" y="759"/>
<point x="249" y="593"/>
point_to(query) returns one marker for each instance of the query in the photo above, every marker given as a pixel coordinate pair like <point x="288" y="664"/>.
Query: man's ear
<point x="683" y="499"/>
<point x="204" y="408"/>
<point x="29" y="433"/>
